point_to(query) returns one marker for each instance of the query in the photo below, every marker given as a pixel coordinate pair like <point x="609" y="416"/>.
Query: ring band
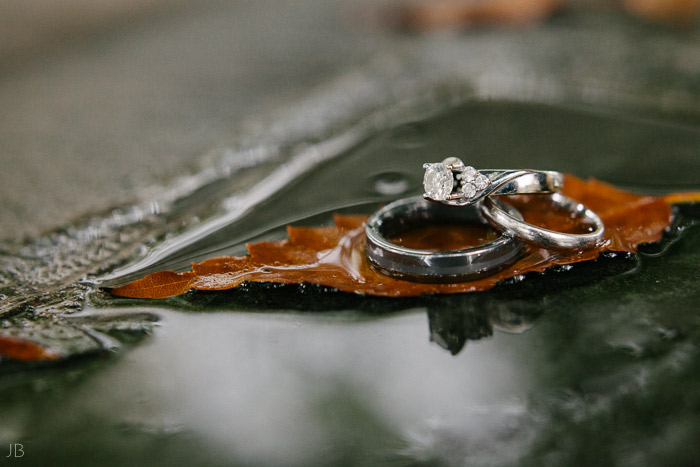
<point x="451" y="182"/>
<point x="435" y="266"/>
<point x="498" y="216"/>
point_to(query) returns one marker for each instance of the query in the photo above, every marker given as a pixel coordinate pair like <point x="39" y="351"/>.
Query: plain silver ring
<point x="498" y="216"/>
<point x="435" y="266"/>
<point x="453" y="183"/>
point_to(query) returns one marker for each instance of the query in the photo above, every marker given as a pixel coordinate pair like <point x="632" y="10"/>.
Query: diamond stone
<point x="469" y="190"/>
<point x="469" y="174"/>
<point x="481" y="182"/>
<point x="438" y="181"/>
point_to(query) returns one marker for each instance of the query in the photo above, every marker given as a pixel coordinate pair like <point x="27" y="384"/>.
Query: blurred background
<point x="103" y="99"/>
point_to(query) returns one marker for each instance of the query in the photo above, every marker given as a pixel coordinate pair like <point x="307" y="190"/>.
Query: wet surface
<point x="593" y="364"/>
<point x="251" y="376"/>
<point x="601" y="366"/>
<point x="131" y="108"/>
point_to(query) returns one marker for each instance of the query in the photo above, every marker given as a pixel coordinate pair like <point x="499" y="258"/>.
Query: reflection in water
<point x="391" y="183"/>
<point x="513" y="306"/>
<point x="451" y="328"/>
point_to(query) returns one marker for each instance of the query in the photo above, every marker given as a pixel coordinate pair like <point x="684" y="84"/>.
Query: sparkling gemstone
<point x="438" y="181"/>
<point x="469" y="190"/>
<point x="469" y="174"/>
<point x="481" y="182"/>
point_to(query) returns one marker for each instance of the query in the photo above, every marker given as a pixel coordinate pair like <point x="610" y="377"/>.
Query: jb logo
<point x="16" y="450"/>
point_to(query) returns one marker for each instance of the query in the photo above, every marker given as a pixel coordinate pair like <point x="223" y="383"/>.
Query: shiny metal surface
<point x="497" y="214"/>
<point x="501" y="182"/>
<point x="434" y="266"/>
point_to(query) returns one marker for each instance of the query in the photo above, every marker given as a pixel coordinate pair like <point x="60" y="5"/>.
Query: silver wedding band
<point x="499" y="217"/>
<point x="416" y="265"/>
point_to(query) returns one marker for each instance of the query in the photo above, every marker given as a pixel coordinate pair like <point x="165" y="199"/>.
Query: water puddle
<point x="357" y="171"/>
<point x="531" y="364"/>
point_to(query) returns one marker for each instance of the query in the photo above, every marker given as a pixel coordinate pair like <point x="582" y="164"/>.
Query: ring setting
<point x="453" y="183"/>
<point x="451" y="180"/>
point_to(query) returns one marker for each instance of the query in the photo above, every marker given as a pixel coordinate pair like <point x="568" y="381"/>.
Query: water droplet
<point x="390" y="183"/>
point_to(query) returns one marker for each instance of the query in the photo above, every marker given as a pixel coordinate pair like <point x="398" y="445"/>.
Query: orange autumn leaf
<point x="428" y="15"/>
<point x="158" y="285"/>
<point x="441" y="14"/>
<point x="23" y="351"/>
<point x="334" y="256"/>
<point x="680" y="198"/>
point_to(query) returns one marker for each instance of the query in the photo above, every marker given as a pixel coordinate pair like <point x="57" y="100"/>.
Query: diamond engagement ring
<point x="435" y="266"/>
<point x="453" y="183"/>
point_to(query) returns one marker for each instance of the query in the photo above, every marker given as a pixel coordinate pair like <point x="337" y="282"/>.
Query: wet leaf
<point x="162" y="284"/>
<point x="334" y="256"/>
<point x="26" y="339"/>
<point x="24" y="350"/>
